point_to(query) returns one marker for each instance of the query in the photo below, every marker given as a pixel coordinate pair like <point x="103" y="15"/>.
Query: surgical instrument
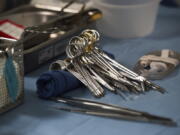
<point x="96" y="68"/>
<point x="108" y="110"/>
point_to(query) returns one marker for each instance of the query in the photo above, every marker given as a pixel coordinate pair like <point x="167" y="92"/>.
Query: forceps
<point x="111" y="111"/>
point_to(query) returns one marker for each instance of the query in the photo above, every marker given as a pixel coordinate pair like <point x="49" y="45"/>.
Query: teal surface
<point x="11" y="79"/>
<point x="36" y="117"/>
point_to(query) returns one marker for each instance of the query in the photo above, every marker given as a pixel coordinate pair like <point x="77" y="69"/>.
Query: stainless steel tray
<point x="35" y="7"/>
<point x="31" y="18"/>
<point x="43" y="47"/>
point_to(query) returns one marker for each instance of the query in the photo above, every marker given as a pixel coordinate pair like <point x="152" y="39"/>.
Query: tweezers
<point x="111" y="111"/>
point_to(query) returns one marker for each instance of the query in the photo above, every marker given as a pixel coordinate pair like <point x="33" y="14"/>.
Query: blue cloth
<point x="36" y="117"/>
<point x="55" y="83"/>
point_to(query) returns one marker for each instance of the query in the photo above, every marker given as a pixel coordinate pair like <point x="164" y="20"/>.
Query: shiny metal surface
<point x="31" y="18"/>
<point x="111" y="111"/>
<point x="24" y="8"/>
<point x="74" y="6"/>
<point x="95" y="68"/>
<point x="62" y="26"/>
<point x="42" y="6"/>
<point x="43" y="27"/>
<point x="10" y="50"/>
<point x="6" y="40"/>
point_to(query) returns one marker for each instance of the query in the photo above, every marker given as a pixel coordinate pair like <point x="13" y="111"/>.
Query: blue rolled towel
<point x="55" y="83"/>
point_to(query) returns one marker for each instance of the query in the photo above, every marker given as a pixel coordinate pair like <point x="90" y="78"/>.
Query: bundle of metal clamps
<point x="94" y="68"/>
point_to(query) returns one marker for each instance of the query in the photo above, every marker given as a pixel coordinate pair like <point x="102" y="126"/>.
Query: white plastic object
<point x="126" y="18"/>
<point x="157" y="64"/>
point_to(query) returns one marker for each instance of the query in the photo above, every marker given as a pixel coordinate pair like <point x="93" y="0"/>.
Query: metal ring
<point x="78" y="40"/>
<point x="94" y="34"/>
<point x="69" y="52"/>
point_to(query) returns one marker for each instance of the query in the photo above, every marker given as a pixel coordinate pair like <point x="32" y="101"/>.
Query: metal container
<point x="42" y="47"/>
<point x="11" y="74"/>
